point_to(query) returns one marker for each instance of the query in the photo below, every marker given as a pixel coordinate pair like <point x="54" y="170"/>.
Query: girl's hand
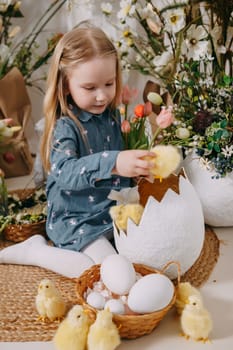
<point x="130" y="163"/>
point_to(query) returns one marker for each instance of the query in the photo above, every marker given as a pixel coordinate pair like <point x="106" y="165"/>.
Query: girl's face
<point x="92" y="84"/>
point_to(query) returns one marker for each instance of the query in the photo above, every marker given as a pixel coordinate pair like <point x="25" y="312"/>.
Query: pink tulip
<point x="147" y="108"/>
<point x="128" y="95"/>
<point x="125" y="127"/>
<point x="165" y="118"/>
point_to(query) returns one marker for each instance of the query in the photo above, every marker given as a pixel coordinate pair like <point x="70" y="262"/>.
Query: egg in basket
<point x="137" y="295"/>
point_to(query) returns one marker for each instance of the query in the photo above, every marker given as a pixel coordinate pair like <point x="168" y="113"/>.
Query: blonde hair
<point x="78" y="45"/>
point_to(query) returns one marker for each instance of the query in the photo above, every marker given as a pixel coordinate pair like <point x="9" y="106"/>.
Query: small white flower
<point x="206" y="164"/>
<point x="227" y="151"/>
<point x="174" y="20"/>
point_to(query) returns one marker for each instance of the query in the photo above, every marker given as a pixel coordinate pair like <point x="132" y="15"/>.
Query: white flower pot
<point x="170" y="230"/>
<point x="216" y="195"/>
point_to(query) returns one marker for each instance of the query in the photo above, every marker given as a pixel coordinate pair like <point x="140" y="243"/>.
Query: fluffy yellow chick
<point x="121" y="213"/>
<point x="103" y="333"/>
<point x="184" y="291"/>
<point x="49" y="302"/>
<point x="72" y="332"/>
<point x="166" y="161"/>
<point x="196" y="322"/>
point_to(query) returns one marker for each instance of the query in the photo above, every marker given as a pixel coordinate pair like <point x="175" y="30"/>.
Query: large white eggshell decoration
<point x="117" y="273"/>
<point x="216" y="195"/>
<point x="151" y="293"/>
<point x="172" y="229"/>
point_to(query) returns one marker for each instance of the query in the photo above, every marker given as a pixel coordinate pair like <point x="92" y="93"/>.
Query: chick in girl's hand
<point x="49" y="302"/>
<point x="196" y="322"/>
<point x="184" y="291"/>
<point x="72" y="332"/>
<point x="166" y="161"/>
<point x="103" y="333"/>
<point x="121" y="213"/>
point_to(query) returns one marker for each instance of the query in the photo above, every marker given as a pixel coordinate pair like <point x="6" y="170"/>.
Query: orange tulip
<point x="139" y="111"/>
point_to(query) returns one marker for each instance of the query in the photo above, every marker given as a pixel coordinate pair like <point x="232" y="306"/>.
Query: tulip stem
<point x="154" y="137"/>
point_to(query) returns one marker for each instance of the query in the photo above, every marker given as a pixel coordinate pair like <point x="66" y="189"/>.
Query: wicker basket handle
<point x="178" y="268"/>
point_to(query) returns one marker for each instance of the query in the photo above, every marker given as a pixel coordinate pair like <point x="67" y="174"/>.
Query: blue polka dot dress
<point x="80" y="178"/>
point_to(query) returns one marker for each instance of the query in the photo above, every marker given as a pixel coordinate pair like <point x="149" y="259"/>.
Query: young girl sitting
<point x="82" y="152"/>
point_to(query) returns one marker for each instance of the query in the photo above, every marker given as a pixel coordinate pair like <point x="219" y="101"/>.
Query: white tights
<point x="35" y="251"/>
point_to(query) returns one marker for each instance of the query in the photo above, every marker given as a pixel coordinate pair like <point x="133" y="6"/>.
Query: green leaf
<point x="225" y="134"/>
<point x="223" y="123"/>
<point x="210" y="145"/>
<point x="218" y="135"/>
<point x="216" y="147"/>
<point x="227" y="80"/>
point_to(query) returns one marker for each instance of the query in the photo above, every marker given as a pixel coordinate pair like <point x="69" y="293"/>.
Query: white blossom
<point x="174" y="20"/>
<point x="194" y="45"/>
<point x="227" y="151"/>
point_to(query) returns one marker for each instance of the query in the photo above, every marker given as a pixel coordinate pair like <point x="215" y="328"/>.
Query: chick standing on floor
<point x="49" y="302"/>
<point x="184" y="291"/>
<point x="196" y="322"/>
<point x="72" y="332"/>
<point x="103" y="333"/>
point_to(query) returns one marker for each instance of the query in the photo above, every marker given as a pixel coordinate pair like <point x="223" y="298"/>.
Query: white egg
<point x="117" y="273"/>
<point x="116" y="306"/>
<point x="96" y="300"/>
<point x="151" y="293"/>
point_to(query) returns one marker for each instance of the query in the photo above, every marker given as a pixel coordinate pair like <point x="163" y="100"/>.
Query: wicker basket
<point x="18" y="233"/>
<point x="130" y="326"/>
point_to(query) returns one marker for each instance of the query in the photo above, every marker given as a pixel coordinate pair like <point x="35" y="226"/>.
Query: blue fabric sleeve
<point x="75" y="173"/>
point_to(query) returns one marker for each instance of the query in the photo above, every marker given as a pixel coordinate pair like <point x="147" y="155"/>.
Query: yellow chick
<point x="184" y="291"/>
<point x="103" y="333"/>
<point x="196" y="322"/>
<point x="121" y="213"/>
<point x="72" y="332"/>
<point x="49" y="302"/>
<point x="166" y="161"/>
